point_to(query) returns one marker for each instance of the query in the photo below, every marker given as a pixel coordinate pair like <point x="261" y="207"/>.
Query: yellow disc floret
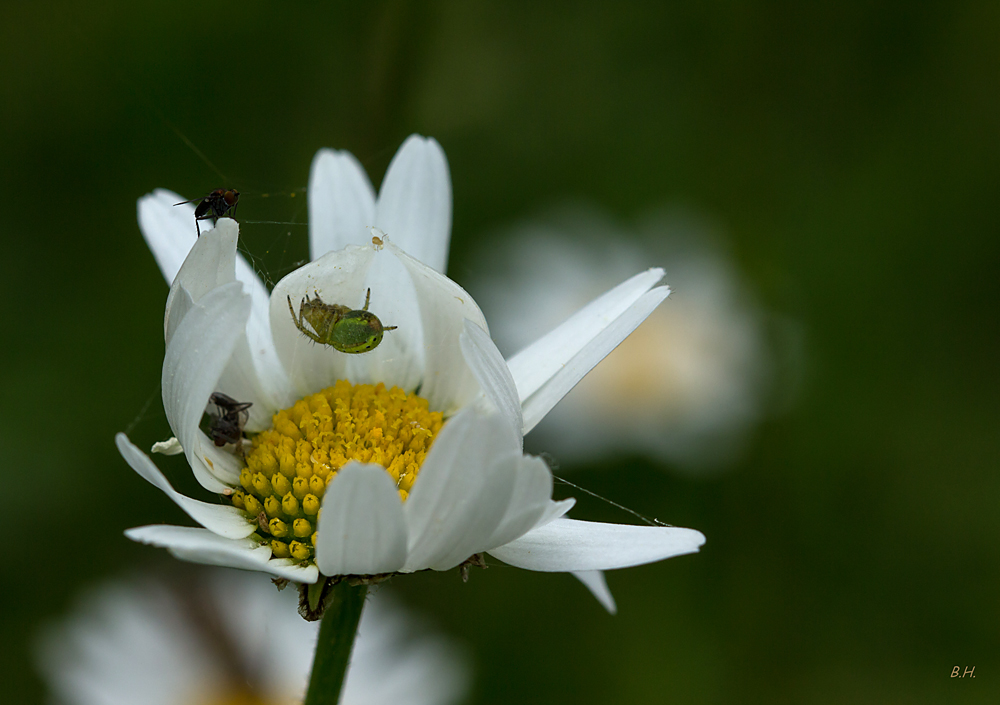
<point x="291" y="465"/>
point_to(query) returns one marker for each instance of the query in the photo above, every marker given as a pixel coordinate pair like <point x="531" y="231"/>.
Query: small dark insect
<point x="227" y="427"/>
<point x="214" y="205"/>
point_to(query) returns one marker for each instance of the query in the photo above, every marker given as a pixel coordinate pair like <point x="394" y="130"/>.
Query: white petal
<point x="171" y="446"/>
<point x="570" y="545"/>
<point x="493" y="375"/>
<point x="228" y="522"/>
<point x="554" y="510"/>
<point x="535" y="365"/>
<point x="169" y="231"/>
<point x="361" y="529"/>
<point x="210" y="263"/>
<point x="529" y="501"/>
<point x="414" y="202"/>
<point x="192" y="364"/>
<point x="202" y="546"/>
<point x="399" y="360"/>
<point x="448" y="383"/>
<point x="179" y="302"/>
<point x="341" y="203"/>
<point x="338" y="277"/>
<point x="254" y="374"/>
<point x="597" y="348"/>
<point x="595" y="582"/>
<point x="462" y="491"/>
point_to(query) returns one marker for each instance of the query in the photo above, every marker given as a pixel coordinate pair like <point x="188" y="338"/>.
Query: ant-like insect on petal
<point x="227" y="427"/>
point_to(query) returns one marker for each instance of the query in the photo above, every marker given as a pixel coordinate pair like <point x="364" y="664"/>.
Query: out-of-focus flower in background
<point x="233" y="639"/>
<point x="688" y="385"/>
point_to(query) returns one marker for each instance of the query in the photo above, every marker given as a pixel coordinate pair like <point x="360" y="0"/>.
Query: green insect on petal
<point x="343" y="329"/>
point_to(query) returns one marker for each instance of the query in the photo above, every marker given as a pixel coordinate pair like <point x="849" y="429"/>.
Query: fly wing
<point x="202" y="209"/>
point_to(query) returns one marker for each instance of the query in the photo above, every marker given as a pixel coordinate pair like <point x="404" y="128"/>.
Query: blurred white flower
<point x="687" y="386"/>
<point x="233" y="639"/>
<point x="350" y="433"/>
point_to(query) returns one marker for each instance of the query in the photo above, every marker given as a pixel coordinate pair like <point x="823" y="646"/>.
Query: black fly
<point x="214" y="205"/>
<point x="227" y="427"/>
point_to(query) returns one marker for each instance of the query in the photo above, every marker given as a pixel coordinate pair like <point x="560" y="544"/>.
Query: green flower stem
<point x="333" y="648"/>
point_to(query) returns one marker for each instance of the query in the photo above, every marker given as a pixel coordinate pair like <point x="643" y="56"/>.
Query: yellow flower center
<point x="291" y="464"/>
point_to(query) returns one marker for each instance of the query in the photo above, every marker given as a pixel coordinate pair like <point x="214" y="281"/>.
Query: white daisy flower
<point x="688" y="386"/>
<point x="142" y="641"/>
<point x="351" y="433"/>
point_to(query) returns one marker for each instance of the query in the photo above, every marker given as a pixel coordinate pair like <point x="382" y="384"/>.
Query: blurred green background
<point x="851" y="151"/>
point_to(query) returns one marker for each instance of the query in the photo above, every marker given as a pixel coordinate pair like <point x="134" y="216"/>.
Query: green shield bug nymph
<point x="338" y="326"/>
